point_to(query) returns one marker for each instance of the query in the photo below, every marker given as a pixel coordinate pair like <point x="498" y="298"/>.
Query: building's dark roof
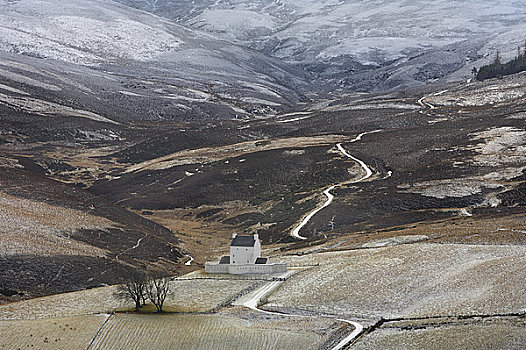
<point x="261" y="260"/>
<point x="243" y="241"/>
<point x="225" y="259"/>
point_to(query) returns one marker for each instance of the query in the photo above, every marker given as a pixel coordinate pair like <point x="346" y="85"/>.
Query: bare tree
<point x="133" y="290"/>
<point x="157" y="289"/>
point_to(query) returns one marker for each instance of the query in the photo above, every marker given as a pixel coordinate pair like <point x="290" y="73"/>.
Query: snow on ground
<point x="69" y="333"/>
<point x="19" y="78"/>
<point x="234" y="22"/>
<point x="499" y="146"/>
<point x="395" y="240"/>
<point x="31" y="227"/>
<point x="129" y="331"/>
<point x="10" y="89"/>
<point x="49" y="109"/>
<point x="366" y="106"/>
<point x="310" y="29"/>
<point x="410" y="280"/>
<point x="194" y="295"/>
<point x="79" y="33"/>
<point x="488" y="334"/>
<point x="487" y="94"/>
<point x="448" y="188"/>
<point x="259" y="101"/>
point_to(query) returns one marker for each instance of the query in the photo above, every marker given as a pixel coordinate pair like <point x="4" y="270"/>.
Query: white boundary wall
<point x="212" y="267"/>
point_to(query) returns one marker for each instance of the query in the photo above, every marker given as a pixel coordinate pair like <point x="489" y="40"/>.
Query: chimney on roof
<point x="256" y="236"/>
<point x="234" y="235"/>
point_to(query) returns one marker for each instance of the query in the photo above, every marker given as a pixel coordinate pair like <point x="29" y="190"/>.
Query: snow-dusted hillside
<point x="337" y="38"/>
<point x="266" y="53"/>
<point x="194" y="72"/>
<point x="85" y="32"/>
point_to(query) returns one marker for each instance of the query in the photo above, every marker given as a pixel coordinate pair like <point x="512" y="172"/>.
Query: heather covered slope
<point x="57" y="238"/>
<point x="432" y="157"/>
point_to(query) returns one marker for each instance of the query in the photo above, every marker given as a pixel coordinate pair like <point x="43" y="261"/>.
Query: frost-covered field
<point x="68" y="333"/>
<point x="481" y="94"/>
<point x="491" y="334"/>
<point x="42" y="323"/>
<point x="415" y="280"/>
<point x="200" y="332"/>
<point x="169" y="331"/>
<point x="205" y="294"/>
<point x="199" y="295"/>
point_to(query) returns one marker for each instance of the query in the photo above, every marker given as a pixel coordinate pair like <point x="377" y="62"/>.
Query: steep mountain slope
<point x="391" y="43"/>
<point x="179" y="68"/>
<point x="56" y="238"/>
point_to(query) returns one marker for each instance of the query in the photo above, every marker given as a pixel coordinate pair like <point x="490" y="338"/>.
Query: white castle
<point x="245" y="257"/>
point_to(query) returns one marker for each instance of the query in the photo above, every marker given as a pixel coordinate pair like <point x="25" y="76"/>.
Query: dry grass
<point x="468" y="335"/>
<point x="211" y="154"/>
<point x="92" y="301"/>
<point x="206" y="240"/>
<point x="199" y="332"/>
<point x="32" y="227"/>
<point x="69" y="333"/>
<point x="188" y="295"/>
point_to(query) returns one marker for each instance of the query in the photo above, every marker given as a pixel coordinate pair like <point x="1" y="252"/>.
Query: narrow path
<point x="358" y="329"/>
<point x="253" y="299"/>
<point x="368" y="173"/>
<point x="132" y="248"/>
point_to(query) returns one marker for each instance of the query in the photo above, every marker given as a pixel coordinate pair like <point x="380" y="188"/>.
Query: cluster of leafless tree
<point x="141" y="288"/>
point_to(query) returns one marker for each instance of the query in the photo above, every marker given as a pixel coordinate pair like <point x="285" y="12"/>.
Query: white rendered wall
<point x="257" y="248"/>
<point x="242" y="255"/>
<point x="216" y="268"/>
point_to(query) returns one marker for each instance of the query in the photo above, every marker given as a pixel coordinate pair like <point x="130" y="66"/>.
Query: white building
<point x="245" y="257"/>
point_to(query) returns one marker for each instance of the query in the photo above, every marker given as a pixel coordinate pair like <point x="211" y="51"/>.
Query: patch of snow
<point x="502" y="145"/>
<point x="45" y="108"/>
<point x="259" y="101"/>
<point x="441" y="189"/>
<point x="28" y="81"/>
<point x="293" y="119"/>
<point x="395" y="241"/>
<point x="10" y="89"/>
<point x="129" y="93"/>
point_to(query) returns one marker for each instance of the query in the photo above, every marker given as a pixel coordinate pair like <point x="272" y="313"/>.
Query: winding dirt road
<point x="368" y="173"/>
<point x="253" y="299"/>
